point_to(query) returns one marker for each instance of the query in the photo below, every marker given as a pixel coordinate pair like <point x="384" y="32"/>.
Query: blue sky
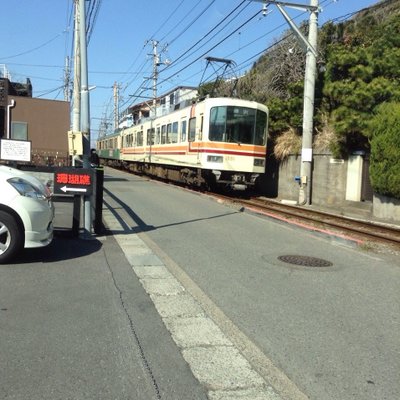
<point x="37" y="37"/>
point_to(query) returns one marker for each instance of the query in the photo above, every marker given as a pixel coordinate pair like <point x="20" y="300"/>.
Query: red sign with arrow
<point x="73" y="181"/>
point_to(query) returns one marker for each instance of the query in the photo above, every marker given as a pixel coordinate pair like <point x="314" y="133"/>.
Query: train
<point x="212" y="143"/>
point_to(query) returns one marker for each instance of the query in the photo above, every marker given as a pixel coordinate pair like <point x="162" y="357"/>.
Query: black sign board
<point x="74" y="181"/>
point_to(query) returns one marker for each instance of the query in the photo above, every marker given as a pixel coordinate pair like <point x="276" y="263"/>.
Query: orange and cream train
<point x="216" y="142"/>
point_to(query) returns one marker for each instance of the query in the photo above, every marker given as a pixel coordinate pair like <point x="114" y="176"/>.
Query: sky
<point x="37" y="38"/>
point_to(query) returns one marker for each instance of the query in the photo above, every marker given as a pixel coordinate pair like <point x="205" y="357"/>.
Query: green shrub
<point x="384" y="133"/>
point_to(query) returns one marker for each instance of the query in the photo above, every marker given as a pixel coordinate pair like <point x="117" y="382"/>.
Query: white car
<point x="26" y="212"/>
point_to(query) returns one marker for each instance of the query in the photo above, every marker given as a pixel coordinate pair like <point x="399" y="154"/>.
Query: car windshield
<point x="237" y="125"/>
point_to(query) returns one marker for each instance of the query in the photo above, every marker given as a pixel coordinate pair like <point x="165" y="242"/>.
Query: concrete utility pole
<point x="156" y="63"/>
<point x="116" y="105"/>
<point x="308" y="107"/>
<point x="310" y="46"/>
<point x="66" y="79"/>
<point x="85" y="117"/>
<point x="76" y="110"/>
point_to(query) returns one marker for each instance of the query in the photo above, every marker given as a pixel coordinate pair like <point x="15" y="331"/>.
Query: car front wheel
<point x="11" y="237"/>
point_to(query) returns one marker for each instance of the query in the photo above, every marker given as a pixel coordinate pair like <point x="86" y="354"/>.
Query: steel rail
<point x="355" y="228"/>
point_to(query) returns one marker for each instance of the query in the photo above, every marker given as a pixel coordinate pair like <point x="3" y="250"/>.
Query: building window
<point x="19" y="130"/>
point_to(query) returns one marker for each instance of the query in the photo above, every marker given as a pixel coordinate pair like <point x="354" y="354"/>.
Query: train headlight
<point x="259" y="162"/>
<point x="215" y="159"/>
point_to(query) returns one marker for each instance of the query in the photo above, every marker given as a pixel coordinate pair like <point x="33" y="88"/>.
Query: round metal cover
<point x="305" y="261"/>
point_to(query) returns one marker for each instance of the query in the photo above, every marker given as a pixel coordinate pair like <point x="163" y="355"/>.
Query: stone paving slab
<point x="247" y="394"/>
<point x="162" y="287"/>
<point x="196" y="331"/>
<point x="144" y="259"/>
<point x="155" y="272"/>
<point x="222" y="368"/>
<point x="182" y="305"/>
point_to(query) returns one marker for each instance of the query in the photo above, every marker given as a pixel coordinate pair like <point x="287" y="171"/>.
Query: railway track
<point x="358" y="230"/>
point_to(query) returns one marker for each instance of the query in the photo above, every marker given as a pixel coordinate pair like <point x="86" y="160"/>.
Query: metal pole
<point x="308" y="108"/>
<point x="85" y="117"/>
<point x="9" y="107"/>
<point x="116" y="105"/>
<point x="76" y="111"/>
<point x="309" y="88"/>
<point x="156" y="61"/>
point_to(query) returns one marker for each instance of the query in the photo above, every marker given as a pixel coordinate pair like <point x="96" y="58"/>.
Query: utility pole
<point x="66" y="79"/>
<point x="116" y="104"/>
<point x="156" y="63"/>
<point x="76" y="109"/>
<point x="308" y="107"/>
<point x="85" y="117"/>
<point x="310" y="46"/>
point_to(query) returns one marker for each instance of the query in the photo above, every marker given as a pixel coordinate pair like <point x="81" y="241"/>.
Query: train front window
<point x="237" y="125"/>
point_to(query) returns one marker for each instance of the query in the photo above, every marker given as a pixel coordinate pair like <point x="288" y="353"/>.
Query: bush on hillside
<point x="384" y="132"/>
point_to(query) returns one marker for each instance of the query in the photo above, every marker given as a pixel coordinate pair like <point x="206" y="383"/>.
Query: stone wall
<point x="328" y="180"/>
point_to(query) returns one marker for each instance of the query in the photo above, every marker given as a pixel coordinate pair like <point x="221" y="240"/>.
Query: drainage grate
<point x="305" y="261"/>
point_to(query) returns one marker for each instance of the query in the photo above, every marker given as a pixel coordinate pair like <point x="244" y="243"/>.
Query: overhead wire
<point x="139" y="90"/>
<point x="175" y="62"/>
<point x="142" y="87"/>
<point x="214" y="46"/>
<point x="182" y="56"/>
<point x="167" y="19"/>
<point x="258" y="54"/>
<point x="190" y="24"/>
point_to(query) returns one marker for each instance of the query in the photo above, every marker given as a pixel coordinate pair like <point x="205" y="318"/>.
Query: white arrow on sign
<point x="70" y="189"/>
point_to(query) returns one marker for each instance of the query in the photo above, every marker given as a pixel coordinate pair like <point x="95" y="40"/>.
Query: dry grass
<point x="287" y="143"/>
<point x="290" y="142"/>
<point x="325" y="136"/>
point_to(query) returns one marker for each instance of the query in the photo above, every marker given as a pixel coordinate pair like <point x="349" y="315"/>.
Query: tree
<point x="362" y="72"/>
<point x="384" y="131"/>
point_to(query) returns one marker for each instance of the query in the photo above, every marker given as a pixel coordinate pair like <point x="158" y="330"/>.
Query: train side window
<point x="169" y="129"/>
<point x="150" y="136"/>
<point x="158" y="135"/>
<point x="183" y="130"/>
<point x="261" y="127"/>
<point x="201" y="126"/>
<point x="192" y="129"/>
<point x="174" y="133"/>
<point x="163" y="134"/>
<point x="139" y="138"/>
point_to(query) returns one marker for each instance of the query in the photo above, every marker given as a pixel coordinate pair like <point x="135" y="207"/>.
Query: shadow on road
<point x="60" y="249"/>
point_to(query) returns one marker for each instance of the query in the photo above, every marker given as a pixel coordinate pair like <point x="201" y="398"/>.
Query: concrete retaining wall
<point x="329" y="179"/>
<point x="386" y="208"/>
<point x="330" y="186"/>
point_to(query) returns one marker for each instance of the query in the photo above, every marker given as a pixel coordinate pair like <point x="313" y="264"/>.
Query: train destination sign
<point x="73" y="181"/>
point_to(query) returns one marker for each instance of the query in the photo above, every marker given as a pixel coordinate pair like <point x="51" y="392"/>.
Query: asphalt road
<point x="75" y="323"/>
<point x="333" y="331"/>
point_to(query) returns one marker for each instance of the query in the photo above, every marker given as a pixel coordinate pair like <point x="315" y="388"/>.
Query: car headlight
<point x="25" y="188"/>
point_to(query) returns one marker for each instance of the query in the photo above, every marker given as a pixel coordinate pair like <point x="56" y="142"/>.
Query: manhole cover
<point x="305" y="261"/>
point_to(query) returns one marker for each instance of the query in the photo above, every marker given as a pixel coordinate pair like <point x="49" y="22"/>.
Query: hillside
<point x="358" y="69"/>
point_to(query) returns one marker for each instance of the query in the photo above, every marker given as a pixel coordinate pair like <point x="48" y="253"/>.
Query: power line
<point x="213" y="47"/>
<point x="167" y="19"/>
